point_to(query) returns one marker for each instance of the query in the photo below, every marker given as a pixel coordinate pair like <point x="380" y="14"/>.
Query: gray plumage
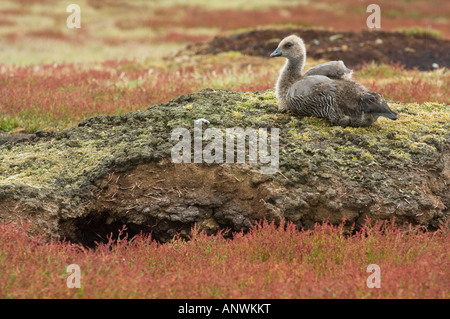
<point x="326" y="90"/>
<point x="332" y="69"/>
<point x="343" y="102"/>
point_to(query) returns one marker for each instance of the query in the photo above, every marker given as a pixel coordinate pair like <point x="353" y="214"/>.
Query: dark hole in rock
<point x="166" y="201"/>
<point x="98" y="228"/>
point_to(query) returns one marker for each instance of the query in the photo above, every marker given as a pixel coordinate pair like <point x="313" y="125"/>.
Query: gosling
<point x="325" y="91"/>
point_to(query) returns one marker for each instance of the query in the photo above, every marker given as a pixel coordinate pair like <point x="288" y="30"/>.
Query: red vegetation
<point x="176" y="36"/>
<point x="415" y="90"/>
<point x="15" y="11"/>
<point x="349" y="15"/>
<point x="268" y="262"/>
<point x="32" y="2"/>
<point x="6" y="22"/>
<point x="407" y="86"/>
<point x="59" y="95"/>
<point x="49" y="34"/>
<point x="56" y="96"/>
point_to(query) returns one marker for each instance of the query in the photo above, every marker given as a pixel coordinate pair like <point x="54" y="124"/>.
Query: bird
<point x="332" y="69"/>
<point x="325" y="91"/>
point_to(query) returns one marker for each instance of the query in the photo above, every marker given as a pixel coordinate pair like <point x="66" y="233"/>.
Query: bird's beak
<point x="275" y="53"/>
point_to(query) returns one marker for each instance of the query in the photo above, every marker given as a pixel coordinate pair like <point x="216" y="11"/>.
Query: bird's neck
<point x="295" y="65"/>
<point x="289" y="74"/>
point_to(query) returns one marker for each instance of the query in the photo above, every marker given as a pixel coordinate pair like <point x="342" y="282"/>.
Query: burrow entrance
<point x="167" y="199"/>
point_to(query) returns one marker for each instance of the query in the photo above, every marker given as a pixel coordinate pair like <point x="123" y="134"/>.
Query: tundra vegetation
<point x="60" y="87"/>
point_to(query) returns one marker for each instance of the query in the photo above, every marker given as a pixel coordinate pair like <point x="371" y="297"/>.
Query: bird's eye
<point x="288" y="45"/>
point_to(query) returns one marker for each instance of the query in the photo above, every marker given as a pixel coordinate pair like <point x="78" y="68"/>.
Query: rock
<point x="119" y="172"/>
<point x="330" y="193"/>
<point x="336" y="37"/>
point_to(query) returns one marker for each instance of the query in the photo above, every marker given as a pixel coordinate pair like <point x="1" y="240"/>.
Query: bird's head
<point x="291" y="47"/>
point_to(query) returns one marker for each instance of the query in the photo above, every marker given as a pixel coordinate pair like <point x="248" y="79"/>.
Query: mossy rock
<point x="84" y="182"/>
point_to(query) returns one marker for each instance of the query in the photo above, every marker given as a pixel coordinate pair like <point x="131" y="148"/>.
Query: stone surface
<point x="85" y="182"/>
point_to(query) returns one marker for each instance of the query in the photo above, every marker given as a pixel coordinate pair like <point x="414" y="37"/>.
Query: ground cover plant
<point x="130" y="55"/>
<point x="49" y="97"/>
<point x="35" y="32"/>
<point x="267" y="262"/>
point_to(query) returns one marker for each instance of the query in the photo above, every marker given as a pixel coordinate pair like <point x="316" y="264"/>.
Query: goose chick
<point x="292" y="70"/>
<point x="343" y="102"/>
<point x="332" y="69"/>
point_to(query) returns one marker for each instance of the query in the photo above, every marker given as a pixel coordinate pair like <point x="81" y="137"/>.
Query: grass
<point x="50" y="97"/>
<point x="418" y="31"/>
<point x="33" y="33"/>
<point x="52" y="77"/>
<point x="398" y="84"/>
<point x="267" y="262"/>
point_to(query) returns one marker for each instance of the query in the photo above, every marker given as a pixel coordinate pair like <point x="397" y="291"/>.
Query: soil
<point x="354" y="48"/>
<point x="116" y="170"/>
<point x="21" y="137"/>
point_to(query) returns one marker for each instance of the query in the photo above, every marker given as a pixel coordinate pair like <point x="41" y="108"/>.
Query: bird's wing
<point x="311" y="84"/>
<point x="332" y="69"/>
<point x="312" y="96"/>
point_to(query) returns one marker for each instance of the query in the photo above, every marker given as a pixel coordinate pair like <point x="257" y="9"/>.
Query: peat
<point x="86" y="182"/>
<point x="354" y="48"/>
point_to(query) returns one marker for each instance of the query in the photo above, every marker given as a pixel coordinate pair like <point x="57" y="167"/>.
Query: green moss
<point x="418" y="31"/>
<point x="75" y="157"/>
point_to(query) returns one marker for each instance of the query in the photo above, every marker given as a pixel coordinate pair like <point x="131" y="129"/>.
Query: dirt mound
<point x="166" y="199"/>
<point x="354" y="48"/>
<point x="22" y="137"/>
<point x="85" y="182"/>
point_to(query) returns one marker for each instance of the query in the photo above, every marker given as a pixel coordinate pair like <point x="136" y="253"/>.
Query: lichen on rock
<point x="114" y="170"/>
